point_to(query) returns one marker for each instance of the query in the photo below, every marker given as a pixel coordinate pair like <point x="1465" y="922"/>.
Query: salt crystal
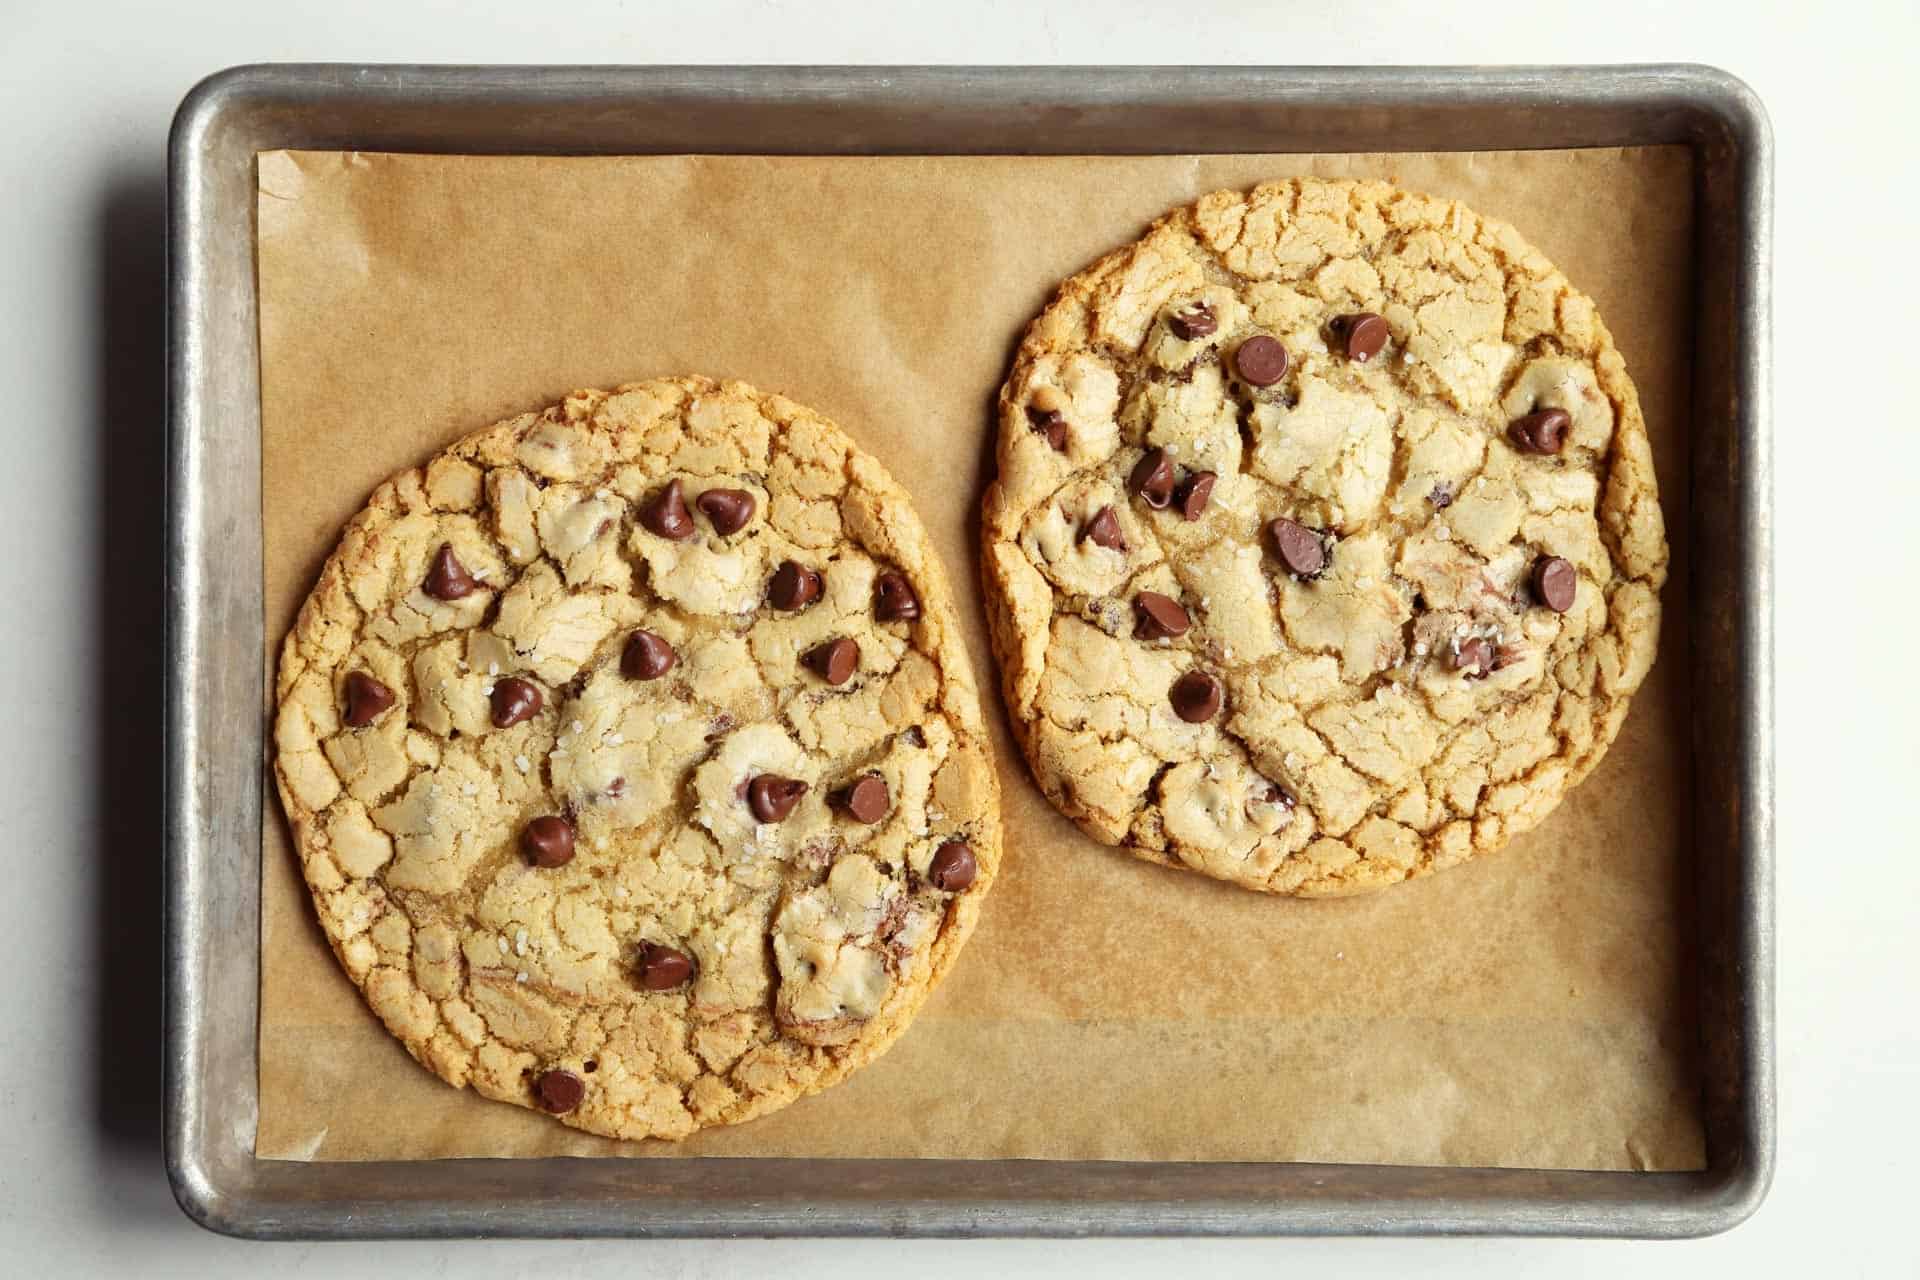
<point x="1443" y="533"/>
<point x="520" y="976"/>
<point x="493" y="668"/>
<point x="577" y="726"/>
<point x="615" y="739"/>
<point x="522" y="763"/>
<point x="503" y="945"/>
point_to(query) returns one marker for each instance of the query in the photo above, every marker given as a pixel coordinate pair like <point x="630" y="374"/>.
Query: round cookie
<point x="634" y="760"/>
<point x="1325" y="549"/>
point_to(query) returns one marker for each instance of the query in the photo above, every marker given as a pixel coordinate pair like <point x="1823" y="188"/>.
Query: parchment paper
<point x="1528" y="1009"/>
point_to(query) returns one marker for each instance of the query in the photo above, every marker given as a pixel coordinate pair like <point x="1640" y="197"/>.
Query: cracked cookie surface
<point x="634" y="761"/>
<point x="1325" y="548"/>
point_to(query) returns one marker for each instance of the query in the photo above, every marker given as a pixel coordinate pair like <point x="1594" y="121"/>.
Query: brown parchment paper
<point x="1528" y="1009"/>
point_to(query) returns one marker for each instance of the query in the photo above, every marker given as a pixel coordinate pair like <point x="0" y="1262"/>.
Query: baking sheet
<point x="1529" y="1009"/>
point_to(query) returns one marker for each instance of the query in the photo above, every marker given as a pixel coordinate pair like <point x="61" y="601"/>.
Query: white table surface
<point x="84" y="106"/>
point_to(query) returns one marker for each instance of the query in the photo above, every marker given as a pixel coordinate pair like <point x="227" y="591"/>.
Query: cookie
<point x="1325" y="549"/>
<point x="634" y="761"/>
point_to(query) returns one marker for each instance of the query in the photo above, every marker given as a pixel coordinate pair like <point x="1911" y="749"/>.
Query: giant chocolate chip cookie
<point x="634" y="760"/>
<point x="1325" y="549"/>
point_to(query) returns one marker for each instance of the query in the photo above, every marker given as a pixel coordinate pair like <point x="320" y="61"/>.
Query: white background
<point x="85" y="97"/>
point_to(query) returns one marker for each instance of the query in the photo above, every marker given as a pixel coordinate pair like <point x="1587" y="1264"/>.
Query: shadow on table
<point x="128" y="229"/>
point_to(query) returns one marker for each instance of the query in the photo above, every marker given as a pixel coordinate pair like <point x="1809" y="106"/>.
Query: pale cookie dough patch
<point x="1372" y="688"/>
<point x="521" y="781"/>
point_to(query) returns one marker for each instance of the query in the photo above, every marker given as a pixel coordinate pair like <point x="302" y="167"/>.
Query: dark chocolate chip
<point x="1261" y="360"/>
<point x="367" y="698"/>
<point x="447" y="578"/>
<point x="559" y="1091"/>
<point x="515" y="700"/>
<point x="728" y="510"/>
<point x="1362" y="335"/>
<point x="1051" y="424"/>
<point x="1543" y="432"/>
<point x="835" y="661"/>
<point x="1160" y="617"/>
<point x="662" y="968"/>
<point x="646" y="657"/>
<point x="953" y="867"/>
<point x="1195" y="320"/>
<point x="1554" y="583"/>
<point x="1474" y="658"/>
<point x="1104" y="530"/>
<point x="1152" y="478"/>
<point x="548" y="842"/>
<point x="1272" y="794"/>
<point x="772" y="797"/>
<point x="1298" y="547"/>
<point x="894" y="599"/>
<point x="865" y="799"/>
<point x="1441" y="497"/>
<point x="1195" y="697"/>
<point x="1195" y="493"/>
<point x="666" y="513"/>
<point x="794" y="586"/>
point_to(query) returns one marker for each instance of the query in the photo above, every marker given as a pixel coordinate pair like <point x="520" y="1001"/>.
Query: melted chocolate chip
<point x="1474" y="658"/>
<point x="1195" y="493"/>
<point x="447" y="578"/>
<point x="1152" y="478"/>
<point x="559" y="1091"/>
<point x="1362" y="335"/>
<point x="548" y="842"/>
<point x="1160" y="617"/>
<point x="1195" y="697"/>
<point x="666" y="513"/>
<point x="772" y="797"/>
<point x="515" y="700"/>
<point x="1554" y="583"/>
<point x="367" y="698"/>
<point x="865" y="799"/>
<point x="894" y="599"/>
<point x="953" y="867"/>
<point x="1051" y="424"/>
<point x="835" y="661"/>
<point x="1195" y="320"/>
<point x="794" y="586"/>
<point x="646" y="657"/>
<point x="1544" y="432"/>
<point x="662" y="968"/>
<point x="1261" y="360"/>
<point x="1104" y="530"/>
<point x="1298" y="547"/>
<point x="727" y="510"/>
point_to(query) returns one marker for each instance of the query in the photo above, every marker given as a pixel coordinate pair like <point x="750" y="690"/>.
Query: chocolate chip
<point x="1050" y="423"/>
<point x="1362" y="335"/>
<point x="447" y="578"/>
<point x="1104" y="530"/>
<point x="367" y="698"/>
<point x="1298" y="547"/>
<point x="548" y="842"/>
<point x="515" y="700"/>
<point x="835" y="661"/>
<point x="1441" y="497"/>
<point x="953" y="867"/>
<point x="1152" y="478"/>
<point x="1261" y="360"/>
<point x="1194" y="494"/>
<point x="1542" y="432"/>
<point x="1195" y="697"/>
<point x="864" y="799"/>
<point x="1474" y="657"/>
<point x="728" y="510"/>
<point x="1161" y="617"/>
<point x="893" y="598"/>
<point x="559" y="1091"/>
<point x="1554" y="583"/>
<point x="772" y="797"/>
<point x="794" y="586"/>
<point x="666" y="513"/>
<point x="646" y="657"/>
<point x="1195" y="320"/>
<point x="662" y="968"/>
